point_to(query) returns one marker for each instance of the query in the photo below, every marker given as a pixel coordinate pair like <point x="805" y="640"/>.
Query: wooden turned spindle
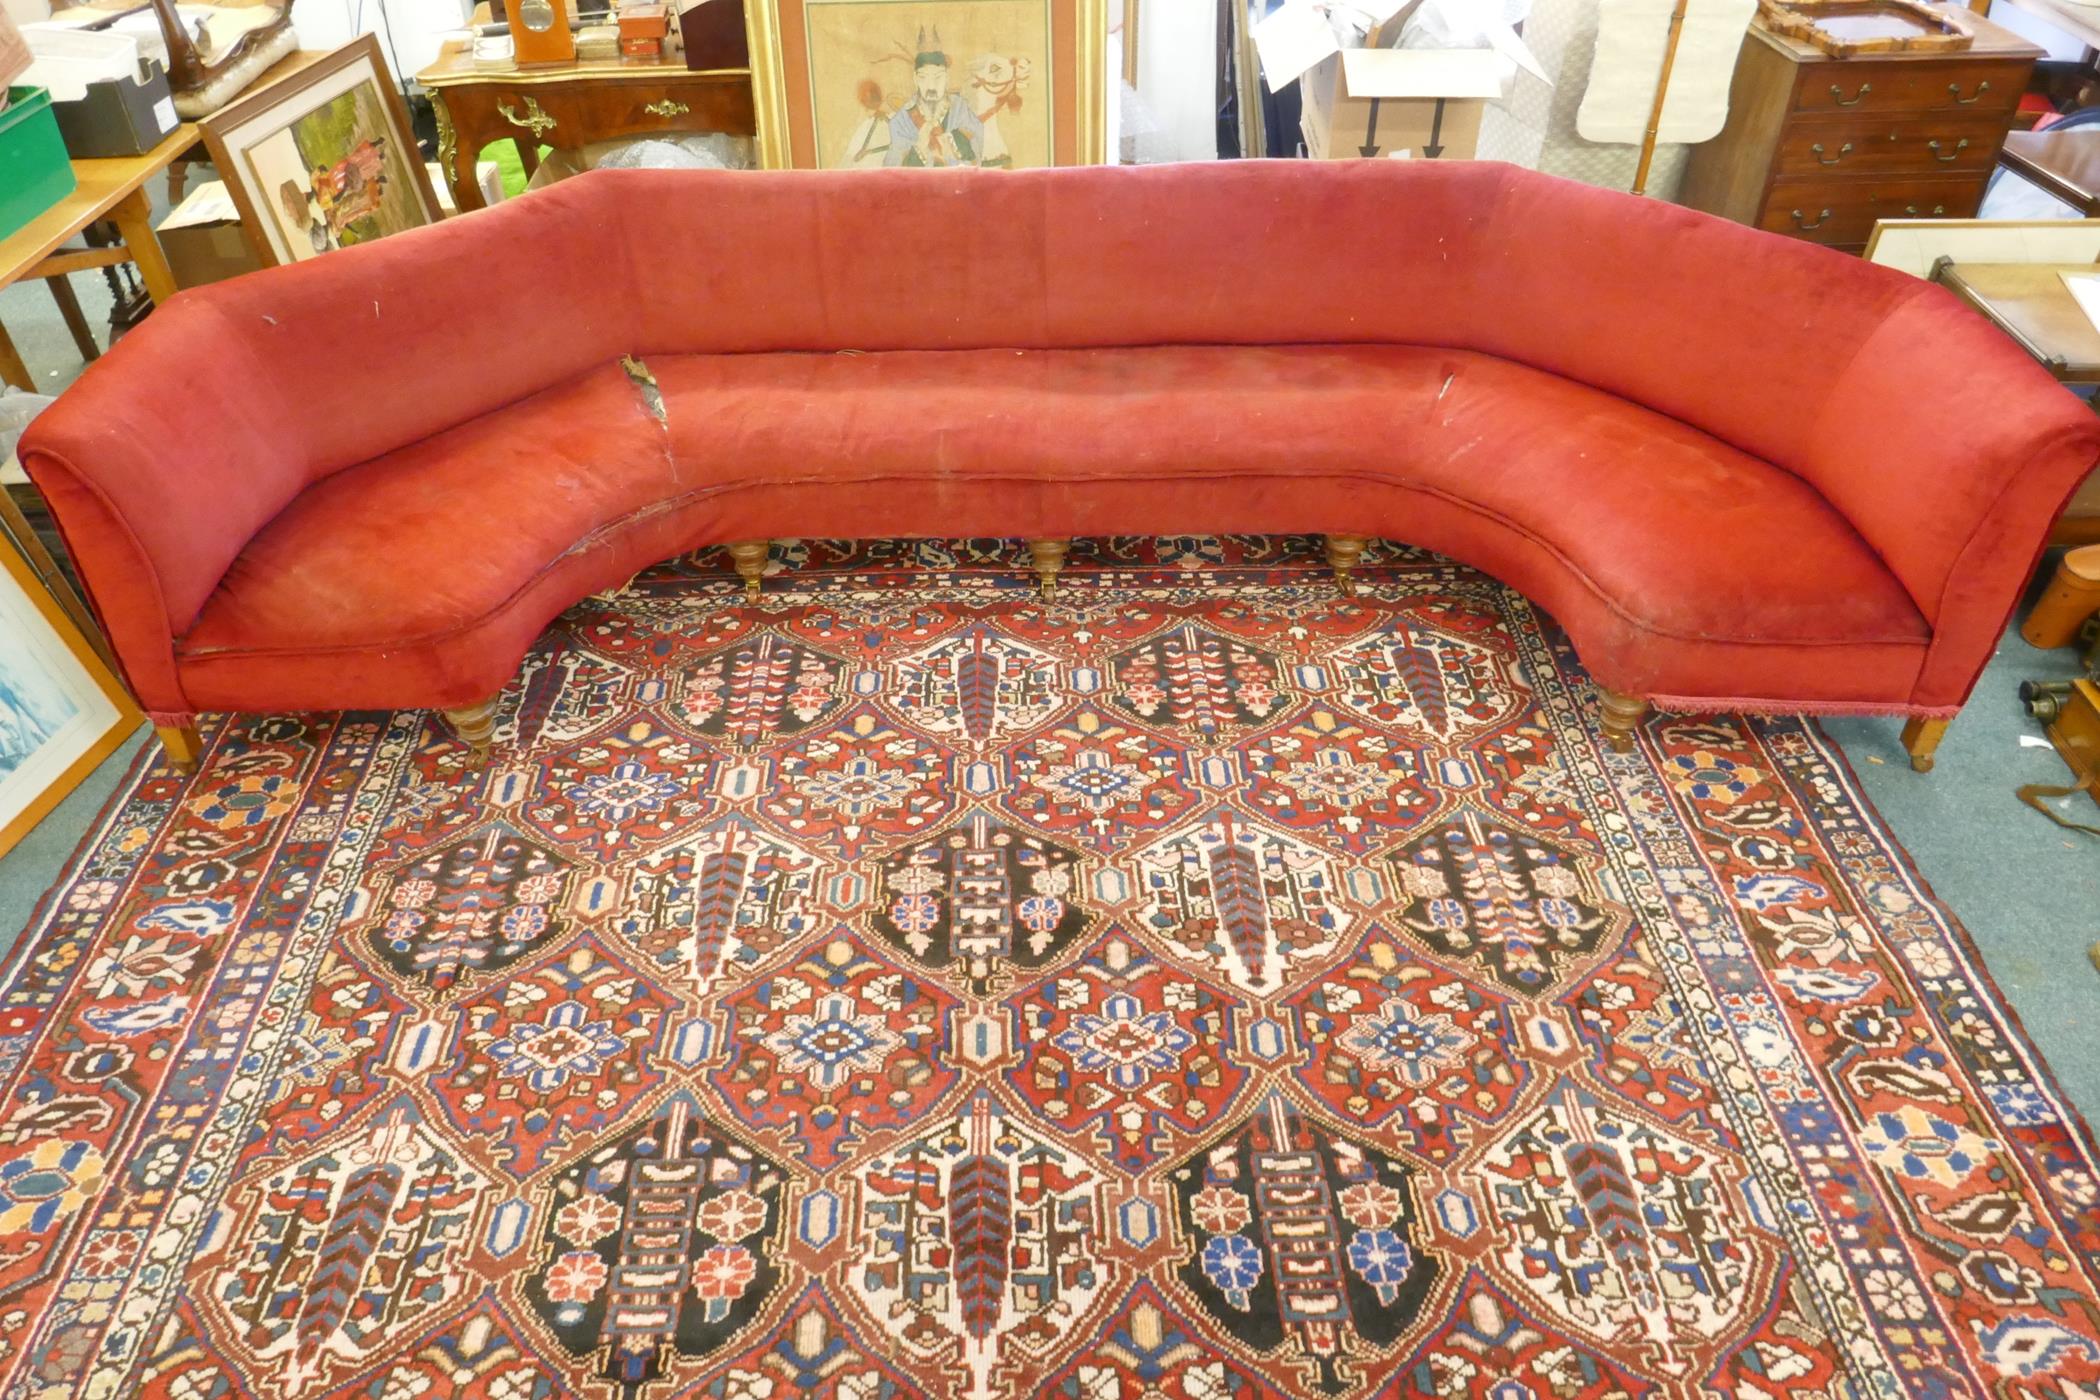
<point x="1344" y="553"/>
<point x="475" y="725"/>
<point x="1049" y="557"/>
<point x="749" y="556"/>
<point x="181" y="744"/>
<point x="1620" y="715"/>
<point x="1920" y="737"/>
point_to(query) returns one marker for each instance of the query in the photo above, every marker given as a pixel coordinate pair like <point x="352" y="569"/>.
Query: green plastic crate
<point x="34" y="171"/>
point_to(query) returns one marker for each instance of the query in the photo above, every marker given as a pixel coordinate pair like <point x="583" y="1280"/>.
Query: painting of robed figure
<point x="996" y="84"/>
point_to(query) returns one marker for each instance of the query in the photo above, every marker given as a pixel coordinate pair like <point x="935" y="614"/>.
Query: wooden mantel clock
<point x="539" y="32"/>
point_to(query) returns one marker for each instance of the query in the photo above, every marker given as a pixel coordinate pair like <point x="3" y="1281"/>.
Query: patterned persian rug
<point x="1199" y="987"/>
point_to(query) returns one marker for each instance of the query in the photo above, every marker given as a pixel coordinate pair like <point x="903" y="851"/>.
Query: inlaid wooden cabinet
<point x="1821" y="147"/>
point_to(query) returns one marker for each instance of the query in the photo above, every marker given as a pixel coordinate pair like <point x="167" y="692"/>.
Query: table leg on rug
<point x="749" y="556"/>
<point x="1920" y="737"/>
<point x="181" y="744"/>
<point x="1344" y="552"/>
<point x="1049" y="557"/>
<point x="475" y="725"/>
<point x="1620" y="715"/>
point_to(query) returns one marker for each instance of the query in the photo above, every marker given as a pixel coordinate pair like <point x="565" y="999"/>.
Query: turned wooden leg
<point x="749" y="556"/>
<point x="1621" y="715"/>
<point x="181" y="744"/>
<point x="1049" y="557"/>
<point x="475" y="725"/>
<point x="1344" y="552"/>
<point x="1920" y="737"/>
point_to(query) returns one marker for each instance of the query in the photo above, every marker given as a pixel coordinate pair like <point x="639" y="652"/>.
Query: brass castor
<point x="1920" y="737"/>
<point x="749" y="556"/>
<point x="1344" y="552"/>
<point x="1049" y="557"/>
<point x="475" y="725"/>
<point x="181" y="744"/>
<point x="1620" y="715"/>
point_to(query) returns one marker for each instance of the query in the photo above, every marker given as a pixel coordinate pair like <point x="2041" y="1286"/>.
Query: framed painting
<point x="323" y="159"/>
<point x="1004" y="84"/>
<point x="62" y="709"/>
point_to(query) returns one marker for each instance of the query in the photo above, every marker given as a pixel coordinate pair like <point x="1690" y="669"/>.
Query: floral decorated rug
<point x="1200" y="986"/>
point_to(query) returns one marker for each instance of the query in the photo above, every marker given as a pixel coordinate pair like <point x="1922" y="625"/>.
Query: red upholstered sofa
<point x="1742" y="471"/>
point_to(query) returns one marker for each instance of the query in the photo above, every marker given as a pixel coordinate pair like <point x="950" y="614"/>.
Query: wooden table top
<point x="454" y="67"/>
<point x="101" y="183"/>
<point x="2030" y="303"/>
<point x="2065" y="163"/>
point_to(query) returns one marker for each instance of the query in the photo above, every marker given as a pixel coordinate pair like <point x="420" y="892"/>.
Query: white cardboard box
<point x="1424" y="104"/>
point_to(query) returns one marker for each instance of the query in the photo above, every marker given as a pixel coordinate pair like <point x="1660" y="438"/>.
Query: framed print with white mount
<point x="62" y="709"/>
<point x="323" y="158"/>
<point x="1006" y="84"/>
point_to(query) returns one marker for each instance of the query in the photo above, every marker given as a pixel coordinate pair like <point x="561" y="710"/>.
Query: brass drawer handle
<point x="1955" y="154"/>
<point x="1960" y="101"/>
<point x="1912" y="211"/>
<point x="1801" y="220"/>
<point x="533" y="119"/>
<point x="1817" y="151"/>
<point x="1864" y="89"/>
<point x="667" y="109"/>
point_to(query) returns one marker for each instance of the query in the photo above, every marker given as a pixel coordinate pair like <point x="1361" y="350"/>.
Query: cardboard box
<point x="108" y="98"/>
<point x="203" y="253"/>
<point x="1423" y="104"/>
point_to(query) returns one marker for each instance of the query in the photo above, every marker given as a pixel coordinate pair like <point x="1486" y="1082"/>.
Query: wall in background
<point x="410" y="31"/>
<point x="1177" y="61"/>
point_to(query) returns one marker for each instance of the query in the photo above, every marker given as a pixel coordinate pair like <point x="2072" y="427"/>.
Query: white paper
<point x="2036" y="741"/>
<point x="1421" y="73"/>
<point x="2084" y="288"/>
<point x="1631" y="37"/>
<point x="208" y="203"/>
<point x="1292" y="40"/>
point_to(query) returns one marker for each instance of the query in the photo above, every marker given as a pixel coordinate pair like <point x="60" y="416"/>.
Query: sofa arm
<point x="159" y="465"/>
<point x="1950" y="451"/>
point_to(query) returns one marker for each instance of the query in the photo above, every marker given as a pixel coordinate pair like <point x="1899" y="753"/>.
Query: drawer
<point x="1824" y="210"/>
<point x="1909" y="145"/>
<point x="1862" y="87"/>
<point x="559" y="114"/>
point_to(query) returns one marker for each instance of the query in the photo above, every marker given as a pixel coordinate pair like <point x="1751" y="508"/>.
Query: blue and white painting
<point x="53" y="709"/>
<point x="34" y="707"/>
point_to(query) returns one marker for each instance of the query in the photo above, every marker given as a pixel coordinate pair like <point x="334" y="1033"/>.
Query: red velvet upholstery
<point x="1739" y="469"/>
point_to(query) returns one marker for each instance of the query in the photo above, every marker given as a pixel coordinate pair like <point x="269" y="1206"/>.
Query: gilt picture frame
<point x="323" y="159"/>
<point x="62" y="708"/>
<point x="843" y="84"/>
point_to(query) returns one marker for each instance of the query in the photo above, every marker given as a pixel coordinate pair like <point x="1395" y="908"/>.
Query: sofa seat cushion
<point x="440" y="560"/>
<point x="429" y="541"/>
<point x="1685" y="535"/>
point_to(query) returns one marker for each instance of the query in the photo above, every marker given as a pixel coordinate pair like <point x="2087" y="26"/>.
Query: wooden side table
<point x="2065" y="163"/>
<point x="572" y="105"/>
<point x="2029" y="302"/>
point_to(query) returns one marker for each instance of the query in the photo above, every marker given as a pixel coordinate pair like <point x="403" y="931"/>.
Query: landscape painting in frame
<point x="61" y="710"/>
<point x="941" y="84"/>
<point x="930" y="82"/>
<point x="324" y="160"/>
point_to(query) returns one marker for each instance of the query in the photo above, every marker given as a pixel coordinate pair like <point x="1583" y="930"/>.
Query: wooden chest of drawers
<point x="1821" y="147"/>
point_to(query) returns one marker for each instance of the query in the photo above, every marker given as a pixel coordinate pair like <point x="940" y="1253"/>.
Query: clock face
<point x="536" y="15"/>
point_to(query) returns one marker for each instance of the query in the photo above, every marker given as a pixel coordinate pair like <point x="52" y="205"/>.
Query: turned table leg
<point x="1920" y="737"/>
<point x="1344" y="552"/>
<point x="749" y="556"/>
<point x="1049" y="557"/>
<point x="475" y="725"/>
<point x="181" y="744"/>
<point x="1620" y="716"/>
